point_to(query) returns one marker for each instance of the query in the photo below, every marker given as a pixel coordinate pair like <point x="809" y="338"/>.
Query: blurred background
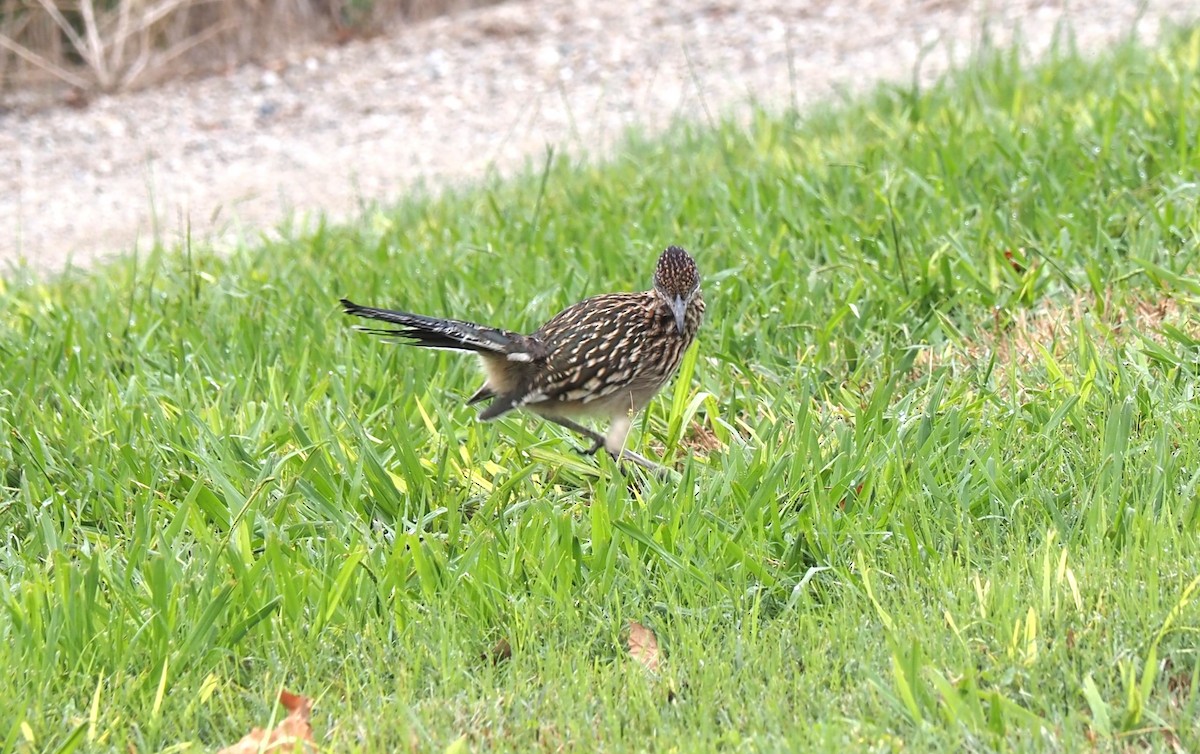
<point x="127" y="125"/>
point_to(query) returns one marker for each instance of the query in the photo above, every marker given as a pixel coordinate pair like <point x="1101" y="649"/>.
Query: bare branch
<point x="67" y="29"/>
<point x="182" y="47"/>
<point x="98" y="59"/>
<point x="122" y="32"/>
<point x="32" y="57"/>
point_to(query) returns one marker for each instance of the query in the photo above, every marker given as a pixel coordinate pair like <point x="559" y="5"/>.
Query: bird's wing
<point x="593" y="348"/>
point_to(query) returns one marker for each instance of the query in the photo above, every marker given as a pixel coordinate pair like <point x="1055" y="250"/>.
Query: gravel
<point x="328" y="129"/>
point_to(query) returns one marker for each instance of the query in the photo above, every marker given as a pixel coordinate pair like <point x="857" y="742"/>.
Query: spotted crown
<point x="676" y="274"/>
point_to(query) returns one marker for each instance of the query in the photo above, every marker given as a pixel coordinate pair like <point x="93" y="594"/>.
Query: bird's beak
<point x="679" y="309"/>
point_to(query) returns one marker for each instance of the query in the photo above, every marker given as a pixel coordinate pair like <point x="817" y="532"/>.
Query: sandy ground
<point x="448" y="100"/>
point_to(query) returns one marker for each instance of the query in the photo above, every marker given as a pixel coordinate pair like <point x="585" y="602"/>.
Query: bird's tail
<point x="432" y="332"/>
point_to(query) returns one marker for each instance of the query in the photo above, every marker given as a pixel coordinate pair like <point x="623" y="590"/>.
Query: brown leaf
<point x="701" y="439"/>
<point x="293" y="734"/>
<point x="499" y="652"/>
<point x="1173" y="741"/>
<point x="1014" y="262"/>
<point x="643" y="646"/>
<point x="1179" y="683"/>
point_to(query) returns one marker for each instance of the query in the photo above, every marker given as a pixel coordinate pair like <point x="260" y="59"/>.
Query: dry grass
<point x="109" y="45"/>
<point x="1021" y="336"/>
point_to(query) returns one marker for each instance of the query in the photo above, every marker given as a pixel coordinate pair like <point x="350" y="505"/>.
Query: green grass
<point x="915" y="535"/>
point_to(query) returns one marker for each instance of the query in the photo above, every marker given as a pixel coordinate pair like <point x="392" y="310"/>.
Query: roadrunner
<point x="606" y="356"/>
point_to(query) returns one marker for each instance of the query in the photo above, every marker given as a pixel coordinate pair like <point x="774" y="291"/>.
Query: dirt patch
<point x="1022" y="337"/>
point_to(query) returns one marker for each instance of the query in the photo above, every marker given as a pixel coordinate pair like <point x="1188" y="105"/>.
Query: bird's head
<point x="677" y="282"/>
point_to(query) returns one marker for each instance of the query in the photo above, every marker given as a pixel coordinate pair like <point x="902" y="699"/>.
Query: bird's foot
<point x="596" y="445"/>
<point x="599" y="441"/>
<point x="662" y="472"/>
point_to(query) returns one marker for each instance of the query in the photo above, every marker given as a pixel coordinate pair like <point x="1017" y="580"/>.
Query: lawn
<point x="938" y="451"/>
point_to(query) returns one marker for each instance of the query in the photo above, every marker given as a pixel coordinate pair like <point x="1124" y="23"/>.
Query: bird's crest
<point x="676" y="274"/>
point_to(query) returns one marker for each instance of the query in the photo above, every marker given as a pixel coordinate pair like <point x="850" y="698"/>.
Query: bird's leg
<point x="596" y="438"/>
<point x="614" y="442"/>
<point x="600" y="441"/>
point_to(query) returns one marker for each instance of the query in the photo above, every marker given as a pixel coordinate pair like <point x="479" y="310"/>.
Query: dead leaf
<point x="1014" y="262"/>
<point x="1173" y="741"/>
<point x="1179" y="683"/>
<point x="701" y="440"/>
<point x="499" y="652"/>
<point x="293" y="734"/>
<point x="858" y="488"/>
<point x="643" y="646"/>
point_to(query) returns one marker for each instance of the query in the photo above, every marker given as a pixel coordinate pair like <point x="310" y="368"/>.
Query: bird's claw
<point x="592" y="450"/>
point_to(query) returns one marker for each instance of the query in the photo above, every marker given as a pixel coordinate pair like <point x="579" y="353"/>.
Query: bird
<point x="604" y="357"/>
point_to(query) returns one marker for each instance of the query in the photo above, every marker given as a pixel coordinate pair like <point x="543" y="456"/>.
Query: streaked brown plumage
<point x="606" y="356"/>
